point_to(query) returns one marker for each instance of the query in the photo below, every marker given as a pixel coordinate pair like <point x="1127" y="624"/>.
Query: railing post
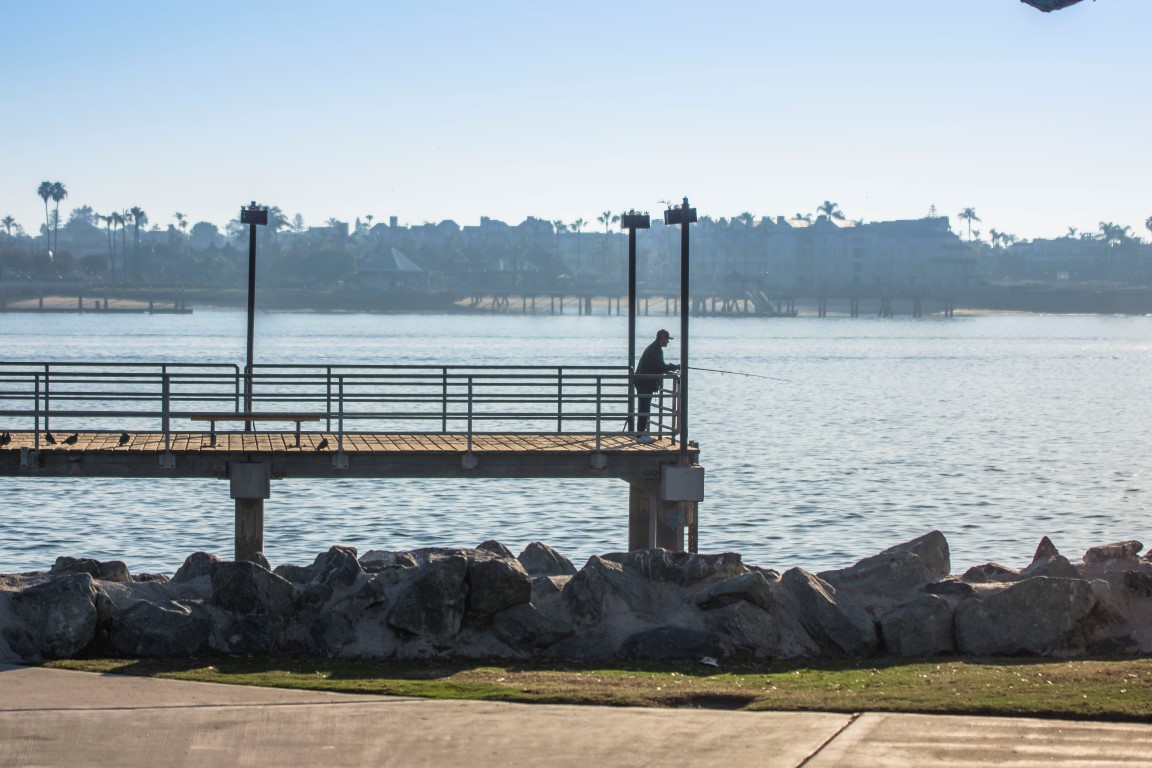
<point x="559" y="399"/>
<point x="47" y="398"/>
<point x="469" y="414"/>
<point x="444" y="399"/>
<point x="166" y="395"/>
<point x="36" y="408"/>
<point x="599" y="408"/>
<point x="340" y="433"/>
<point x="328" y="399"/>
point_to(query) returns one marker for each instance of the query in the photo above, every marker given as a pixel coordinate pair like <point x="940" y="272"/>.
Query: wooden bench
<point x="249" y="418"/>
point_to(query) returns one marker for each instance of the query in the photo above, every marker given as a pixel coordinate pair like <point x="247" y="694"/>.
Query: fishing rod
<point x="738" y="373"/>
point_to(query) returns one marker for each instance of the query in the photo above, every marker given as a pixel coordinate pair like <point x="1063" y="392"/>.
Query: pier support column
<point x="250" y="485"/>
<point x="654" y="522"/>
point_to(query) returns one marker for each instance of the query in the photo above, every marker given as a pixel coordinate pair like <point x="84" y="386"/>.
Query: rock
<point x="377" y="560"/>
<point x="1056" y="566"/>
<point x="166" y="628"/>
<point x="258" y="558"/>
<point x="295" y="574"/>
<point x="541" y="560"/>
<point x="596" y="644"/>
<point x="250" y="635"/>
<point x="950" y="587"/>
<point x="990" y="573"/>
<point x="1045" y="549"/>
<point x="1138" y="583"/>
<point x="603" y="588"/>
<point x="496" y="548"/>
<point x="1041" y="615"/>
<point x="752" y="587"/>
<point x="838" y="624"/>
<point x="749" y="631"/>
<point x="65" y="564"/>
<point x="544" y="587"/>
<point x="881" y="582"/>
<point x="55" y="619"/>
<point x="243" y="587"/>
<point x="932" y="549"/>
<point x="1121" y="550"/>
<point x="661" y="565"/>
<point x="523" y="626"/>
<point x="664" y="643"/>
<point x="494" y="584"/>
<point x="337" y="567"/>
<point x="196" y="565"/>
<point x="434" y="603"/>
<point x="922" y="627"/>
<point x="147" y="577"/>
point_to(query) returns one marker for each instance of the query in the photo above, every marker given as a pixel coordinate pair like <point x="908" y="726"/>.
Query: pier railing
<point x="342" y="399"/>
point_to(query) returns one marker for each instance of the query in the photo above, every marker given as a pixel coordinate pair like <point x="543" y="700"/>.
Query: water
<point x="996" y="430"/>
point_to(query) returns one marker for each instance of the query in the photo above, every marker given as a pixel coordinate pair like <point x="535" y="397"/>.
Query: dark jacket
<point x="651" y="367"/>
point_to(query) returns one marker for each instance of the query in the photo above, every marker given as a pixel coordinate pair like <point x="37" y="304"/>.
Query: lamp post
<point x="254" y="215"/>
<point x="632" y="221"/>
<point x="683" y="216"/>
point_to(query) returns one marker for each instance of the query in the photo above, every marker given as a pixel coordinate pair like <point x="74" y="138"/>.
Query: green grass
<point x="1103" y="689"/>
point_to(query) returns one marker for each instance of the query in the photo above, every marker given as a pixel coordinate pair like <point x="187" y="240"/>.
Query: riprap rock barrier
<point x="487" y="602"/>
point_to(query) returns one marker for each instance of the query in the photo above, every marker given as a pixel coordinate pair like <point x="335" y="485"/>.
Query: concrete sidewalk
<point x="58" y="718"/>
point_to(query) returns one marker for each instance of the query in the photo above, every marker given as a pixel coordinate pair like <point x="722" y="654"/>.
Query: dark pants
<point x="644" y="410"/>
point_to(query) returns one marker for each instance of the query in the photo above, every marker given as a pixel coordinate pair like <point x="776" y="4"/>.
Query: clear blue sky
<point x="435" y="110"/>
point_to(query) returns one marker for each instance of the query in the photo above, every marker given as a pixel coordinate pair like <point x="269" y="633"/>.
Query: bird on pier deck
<point x="48" y="438"/>
<point x="5" y="438"/>
<point x="322" y="445"/>
<point x="124" y="439"/>
<point x="72" y="438"/>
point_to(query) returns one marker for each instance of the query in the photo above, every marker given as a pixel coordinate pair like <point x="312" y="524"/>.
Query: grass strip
<point x="1118" y="689"/>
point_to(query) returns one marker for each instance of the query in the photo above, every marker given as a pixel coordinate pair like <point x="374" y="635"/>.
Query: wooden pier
<point x="481" y="422"/>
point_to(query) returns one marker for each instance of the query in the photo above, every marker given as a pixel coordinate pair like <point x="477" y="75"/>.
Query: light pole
<point x="254" y="215"/>
<point x="683" y="216"/>
<point x="632" y="221"/>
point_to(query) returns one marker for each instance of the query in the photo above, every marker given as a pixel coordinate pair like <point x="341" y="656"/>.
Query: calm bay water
<point x="996" y="430"/>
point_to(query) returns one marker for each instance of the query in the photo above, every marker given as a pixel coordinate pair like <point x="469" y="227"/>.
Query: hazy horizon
<point x="456" y="111"/>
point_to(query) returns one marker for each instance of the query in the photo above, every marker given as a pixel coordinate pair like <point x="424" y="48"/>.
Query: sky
<point x="455" y="110"/>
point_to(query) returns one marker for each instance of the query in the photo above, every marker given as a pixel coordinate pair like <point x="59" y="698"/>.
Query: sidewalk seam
<point x="855" y="716"/>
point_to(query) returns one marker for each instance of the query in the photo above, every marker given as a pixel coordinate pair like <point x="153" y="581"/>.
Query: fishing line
<point x="738" y="373"/>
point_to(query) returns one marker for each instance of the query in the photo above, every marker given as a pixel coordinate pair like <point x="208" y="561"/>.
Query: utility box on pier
<point x="682" y="483"/>
<point x="250" y="481"/>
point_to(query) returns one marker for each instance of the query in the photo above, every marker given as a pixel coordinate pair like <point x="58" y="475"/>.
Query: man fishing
<point x="649" y="375"/>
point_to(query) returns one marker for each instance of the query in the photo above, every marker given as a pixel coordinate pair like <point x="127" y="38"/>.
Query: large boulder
<point x="243" y="587"/>
<point x="752" y="587"/>
<point x="606" y="588"/>
<point x="1041" y="615"/>
<point x="54" y="619"/>
<point x="541" y="560"/>
<point x="922" y="627"/>
<point x="494" y="584"/>
<point x="672" y="643"/>
<point x="838" y="624"/>
<point x="1121" y="550"/>
<point x="681" y="568"/>
<point x="749" y="631"/>
<point x="896" y="575"/>
<point x="433" y="604"/>
<point x="338" y="567"/>
<point x="196" y="565"/>
<point x="167" y="628"/>
<point x="523" y="626"/>
<point x="113" y="570"/>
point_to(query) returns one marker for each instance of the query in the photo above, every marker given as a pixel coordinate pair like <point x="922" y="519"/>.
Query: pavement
<point x="52" y="717"/>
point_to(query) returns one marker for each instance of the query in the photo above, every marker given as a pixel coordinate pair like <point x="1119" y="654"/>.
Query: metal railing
<point x="485" y="399"/>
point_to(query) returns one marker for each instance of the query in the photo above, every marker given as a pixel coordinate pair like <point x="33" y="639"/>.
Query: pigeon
<point x="48" y="438"/>
<point x="124" y="438"/>
<point x="5" y="438"/>
<point x="322" y="445"/>
<point x="72" y="438"/>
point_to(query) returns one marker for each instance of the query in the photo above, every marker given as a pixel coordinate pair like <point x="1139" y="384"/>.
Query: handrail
<point x="527" y="399"/>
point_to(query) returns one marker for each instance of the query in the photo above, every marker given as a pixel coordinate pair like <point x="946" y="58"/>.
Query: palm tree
<point x="181" y="221"/>
<point x="969" y="214"/>
<point x="803" y="217"/>
<point x="1147" y="223"/>
<point x="44" y="191"/>
<point x="830" y="209"/>
<point x="139" y="219"/>
<point x="1071" y="232"/>
<point x="1114" y="234"/>
<point x="8" y="222"/>
<point x="58" y="194"/>
<point x="576" y="227"/>
<point x="607" y="219"/>
<point x="560" y="227"/>
<point x="994" y="235"/>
